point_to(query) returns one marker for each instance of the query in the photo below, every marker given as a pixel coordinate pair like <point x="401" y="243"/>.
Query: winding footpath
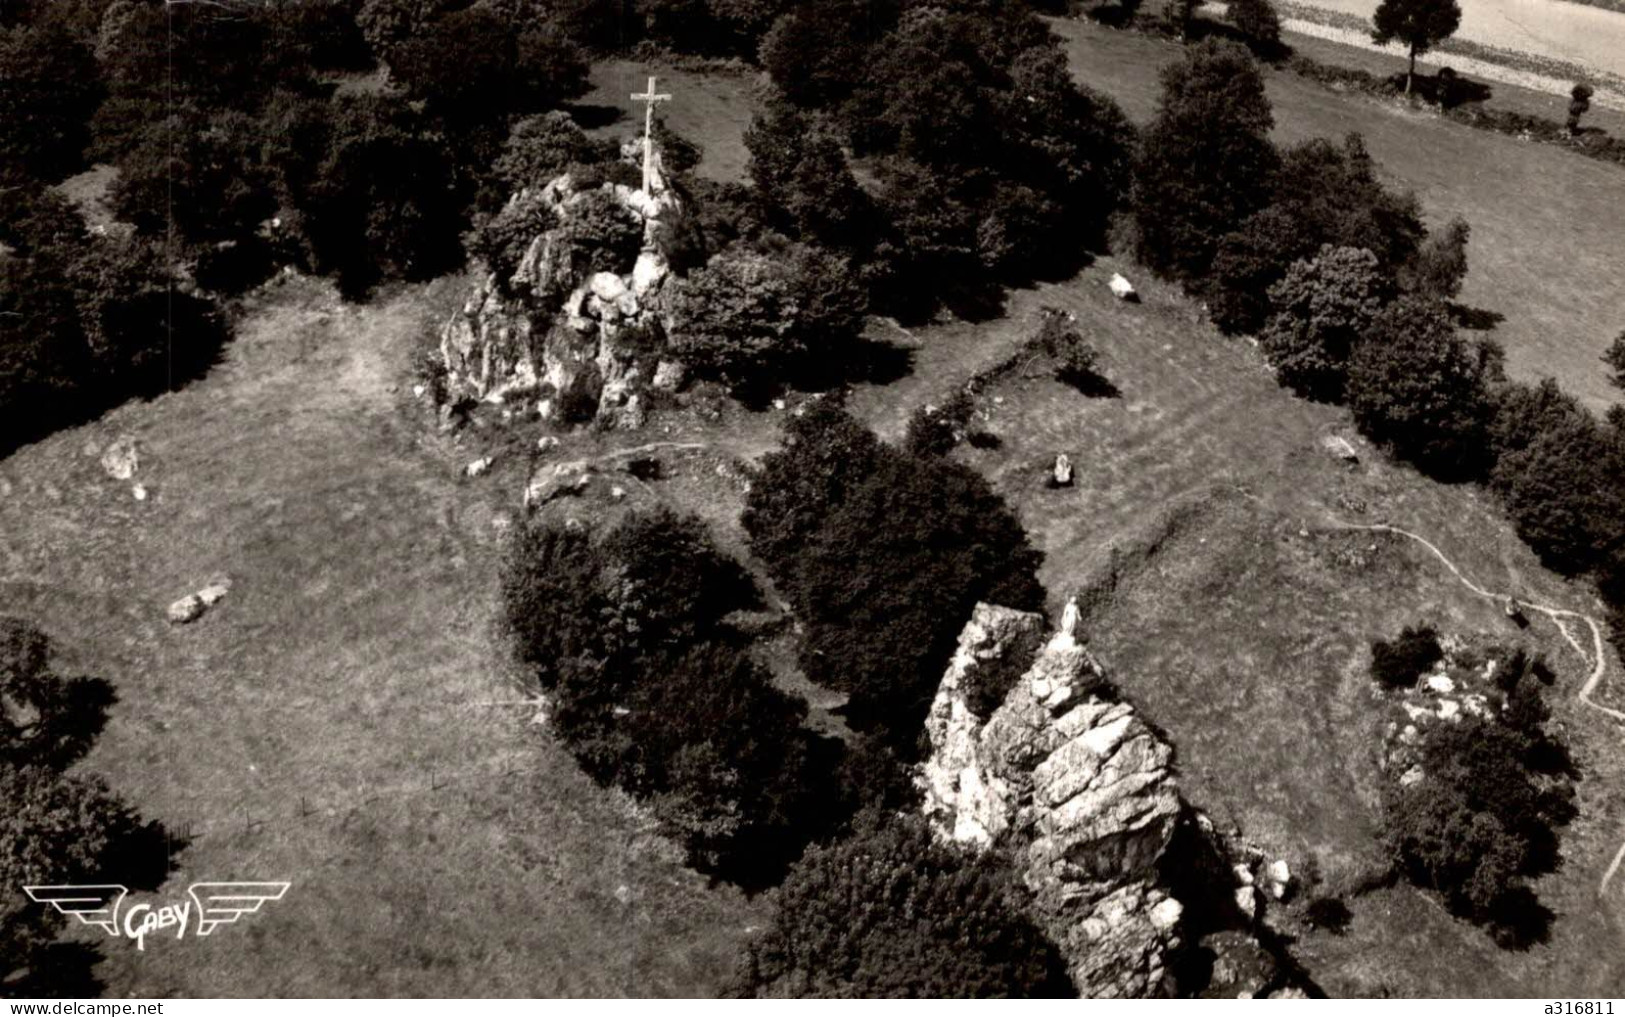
<point x="1597" y="659"/>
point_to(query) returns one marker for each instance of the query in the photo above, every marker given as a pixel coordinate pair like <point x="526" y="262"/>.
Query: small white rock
<point x="139" y="492"/>
<point x="478" y="467"/>
<point x="1441" y="683"/>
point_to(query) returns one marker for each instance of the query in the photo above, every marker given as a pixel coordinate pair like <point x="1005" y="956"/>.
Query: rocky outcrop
<point x="1074" y="785"/>
<point x="579" y="344"/>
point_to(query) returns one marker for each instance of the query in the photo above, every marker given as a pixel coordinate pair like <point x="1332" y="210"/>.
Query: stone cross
<point x="651" y="97"/>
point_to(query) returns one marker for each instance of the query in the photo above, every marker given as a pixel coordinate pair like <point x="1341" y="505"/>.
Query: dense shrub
<point x="892" y="912"/>
<point x="1205" y="161"/>
<point x="1398" y="663"/>
<point x="936" y="430"/>
<point x="1076" y="361"/>
<point x="882" y="555"/>
<point x="1563" y="492"/>
<point x="1321" y="310"/>
<point x="1415" y="385"/>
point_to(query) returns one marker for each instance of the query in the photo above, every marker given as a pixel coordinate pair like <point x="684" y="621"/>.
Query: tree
<point x="1416" y="386"/>
<point x="893" y="912"/>
<point x="381" y="204"/>
<point x="1563" y="493"/>
<point x="894" y="553"/>
<point x="1579" y="105"/>
<point x="1259" y="24"/>
<point x="541" y="146"/>
<point x="1614" y="357"/>
<point x="1205" y="160"/>
<point x="1322" y="193"/>
<point x="1440" y="264"/>
<point x="500" y="240"/>
<point x="813" y="52"/>
<point x="753" y="316"/>
<point x="1478" y="822"/>
<point x="472" y="66"/>
<point x="1321" y="310"/>
<point x="200" y="174"/>
<point x="45" y="719"/>
<point x="1419" y="24"/>
<point x="49" y="87"/>
<point x="803" y="181"/>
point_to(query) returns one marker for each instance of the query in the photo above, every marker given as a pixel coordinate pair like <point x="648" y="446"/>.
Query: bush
<point x="1321" y="310"/>
<point x="1204" y="162"/>
<point x="49" y="87"/>
<point x="1399" y="662"/>
<point x="1440" y="265"/>
<point x="1076" y="361"/>
<point x="891" y="912"/>
<point x="1579" y="105"/>
<point x="1417" y="387"/>
<point x="935" y="430"/>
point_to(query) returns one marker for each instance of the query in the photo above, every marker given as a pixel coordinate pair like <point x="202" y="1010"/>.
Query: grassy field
<point x="1241" y="616"/>
<point x="324" y="724"/>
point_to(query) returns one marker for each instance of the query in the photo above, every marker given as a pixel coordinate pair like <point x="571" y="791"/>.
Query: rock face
<point x="1074" y="785"/>
<point x="582" y="344"/>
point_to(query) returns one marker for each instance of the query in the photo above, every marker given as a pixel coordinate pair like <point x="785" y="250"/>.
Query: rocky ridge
<point x="1080" y="792"/>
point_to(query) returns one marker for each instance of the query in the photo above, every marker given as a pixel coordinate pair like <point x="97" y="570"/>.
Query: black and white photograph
<point x="581" y="500"/>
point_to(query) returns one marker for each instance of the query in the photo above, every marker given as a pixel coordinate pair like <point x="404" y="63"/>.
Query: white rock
<point x="1063" y="470"/>
<point x="649" y="272"/>
<point x="617" y="492"/>
<point x="607" y="286"/>
<point x="546" y="443"/>
<point x="1411" y="776"/>
<point x="1247" y="901"/>
<point x="668" y="377"/>
<point x="121" y="459"/>
<point x="1165" y="915"/>
<point x="1339" y="447"/>
<point x="1449" y="709"/>
<point x="1244" y="874"/>
<point x="1122" y="289"/>
<point x="139" y="492"/>
<point x="479" y="467"/>
<point x="1441" y="683"/>
<point x="418" y="390"/>
<point x="192" y="606"/>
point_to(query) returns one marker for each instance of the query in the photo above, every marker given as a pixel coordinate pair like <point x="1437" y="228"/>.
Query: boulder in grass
<point x="121" y="459"/>
<point x="194" y="605"/>
<point x="1122" y="289"/>
<point x="1339" y="446"/>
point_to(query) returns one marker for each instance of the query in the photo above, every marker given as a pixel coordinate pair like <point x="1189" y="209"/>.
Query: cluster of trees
<point x="982" y="162"/>
<point x="892" y="912"/>
<point x="627" y="630"/>
<point x="59" y="827"/>
<point x="1484" y="815"/>
<point x="87" y="321"/>
<point x="882" y="552"/>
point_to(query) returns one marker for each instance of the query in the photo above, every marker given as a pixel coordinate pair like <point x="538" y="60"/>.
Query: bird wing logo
<point x="224" y="903"/>
<point x="92" y="905"/>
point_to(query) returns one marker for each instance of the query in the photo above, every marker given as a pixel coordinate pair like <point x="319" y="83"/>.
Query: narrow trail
<point x="1597" y="659"/>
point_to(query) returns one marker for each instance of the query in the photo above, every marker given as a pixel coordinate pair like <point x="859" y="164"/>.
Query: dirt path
<point x="1597" y="660"/>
